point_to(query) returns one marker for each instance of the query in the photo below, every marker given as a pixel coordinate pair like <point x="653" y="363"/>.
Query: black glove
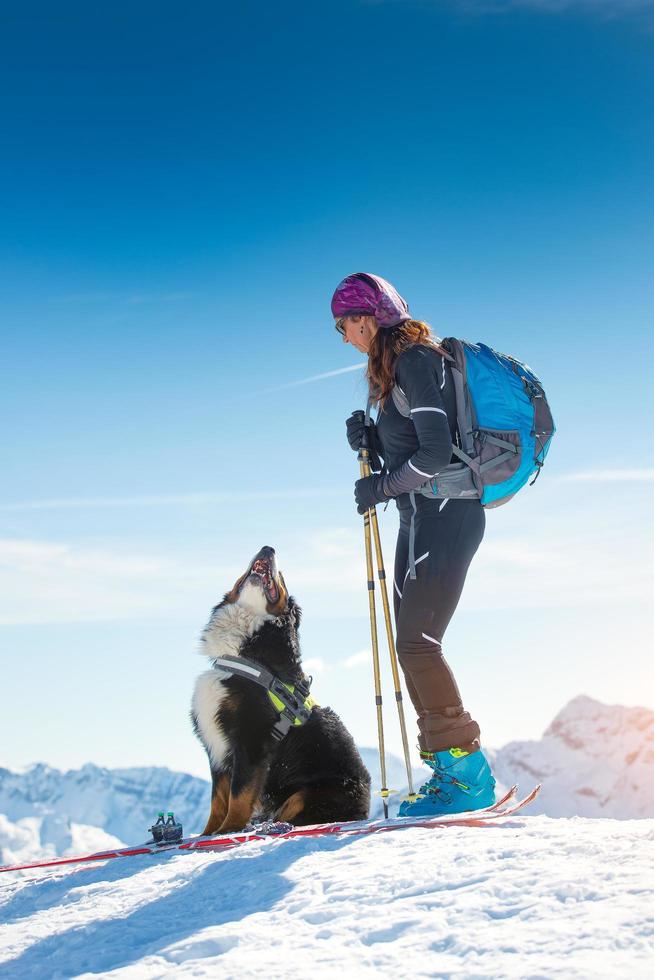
<point x="356" y="427"/>
<point x="368" y="492"/>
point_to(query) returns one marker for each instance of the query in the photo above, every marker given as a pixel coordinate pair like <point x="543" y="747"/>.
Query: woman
<point x="435" y="548"/>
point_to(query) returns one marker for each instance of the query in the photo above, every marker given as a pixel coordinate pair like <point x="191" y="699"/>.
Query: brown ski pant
<point x="447" y="535"/>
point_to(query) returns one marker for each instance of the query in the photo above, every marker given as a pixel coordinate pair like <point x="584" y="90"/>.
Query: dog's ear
<point x="294" y="612"/>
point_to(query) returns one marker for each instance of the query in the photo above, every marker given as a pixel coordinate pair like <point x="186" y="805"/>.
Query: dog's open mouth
<point x="262" y="572"/>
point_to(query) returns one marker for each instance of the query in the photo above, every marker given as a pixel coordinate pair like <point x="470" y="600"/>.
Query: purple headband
<point x="363" y="294"/>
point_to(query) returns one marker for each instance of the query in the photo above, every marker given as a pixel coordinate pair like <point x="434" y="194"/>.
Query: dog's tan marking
<point x="231" y="596"/>
<point x="278" y="608"/>
<point x="241" y="807"/>
<point x="292" y="806"/>
<point x="219" y="804"/>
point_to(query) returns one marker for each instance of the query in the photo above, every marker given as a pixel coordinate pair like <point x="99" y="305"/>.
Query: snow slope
<point x="533" y="897"/>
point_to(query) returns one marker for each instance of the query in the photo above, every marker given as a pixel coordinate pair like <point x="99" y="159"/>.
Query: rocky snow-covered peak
<point x="594" y="760"/>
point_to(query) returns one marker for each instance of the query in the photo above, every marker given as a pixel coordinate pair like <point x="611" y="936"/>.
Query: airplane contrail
<point x="319" y="377"/>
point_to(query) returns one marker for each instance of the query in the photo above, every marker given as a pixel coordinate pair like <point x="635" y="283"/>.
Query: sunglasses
<point x="340" y="325"/>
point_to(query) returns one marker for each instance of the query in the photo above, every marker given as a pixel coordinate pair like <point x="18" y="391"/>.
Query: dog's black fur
<point x="315" y="774"/>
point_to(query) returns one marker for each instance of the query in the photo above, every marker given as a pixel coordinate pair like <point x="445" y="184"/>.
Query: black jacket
<point x="417" y="448"/>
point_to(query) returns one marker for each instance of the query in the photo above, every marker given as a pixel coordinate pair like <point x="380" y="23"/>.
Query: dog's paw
<point x="269" y="827"/>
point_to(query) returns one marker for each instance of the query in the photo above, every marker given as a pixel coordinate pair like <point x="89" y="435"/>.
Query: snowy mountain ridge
<point x="47" y="812"/>
<point x="593" y="760"/>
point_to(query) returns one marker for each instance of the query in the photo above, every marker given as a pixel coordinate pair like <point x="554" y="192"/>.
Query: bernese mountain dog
<point x="314" y="774"/>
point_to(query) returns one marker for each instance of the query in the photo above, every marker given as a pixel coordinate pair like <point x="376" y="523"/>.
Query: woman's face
<point x="358" y="331"/>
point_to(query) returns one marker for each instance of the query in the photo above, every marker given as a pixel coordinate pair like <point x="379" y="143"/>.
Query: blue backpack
<point x="505" y="425"/>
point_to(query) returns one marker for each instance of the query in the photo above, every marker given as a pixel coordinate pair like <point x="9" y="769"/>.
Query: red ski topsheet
<point x="474" y="818"/>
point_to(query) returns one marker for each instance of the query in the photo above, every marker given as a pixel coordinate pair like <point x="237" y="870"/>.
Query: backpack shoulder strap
<point x="454" y="353"/>
<point x="401" y="401"/>
<point x="464" y="412"/>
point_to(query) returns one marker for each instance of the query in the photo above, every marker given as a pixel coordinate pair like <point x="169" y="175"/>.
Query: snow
<point x="531" y="897"/>
<point x="528" y="897"/>
<point x="594" y="760"/>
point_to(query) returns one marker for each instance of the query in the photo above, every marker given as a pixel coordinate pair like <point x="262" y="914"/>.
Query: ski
<point x="473" y="818"/>
<point x="505" y="807"/>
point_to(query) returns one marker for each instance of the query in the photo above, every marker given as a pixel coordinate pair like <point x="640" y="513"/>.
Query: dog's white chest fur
<point x="207" y="698"/>
<point x="229" y="628"/>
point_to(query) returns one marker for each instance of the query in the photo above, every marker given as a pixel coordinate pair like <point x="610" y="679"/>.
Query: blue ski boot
<point x="462" y="781"/>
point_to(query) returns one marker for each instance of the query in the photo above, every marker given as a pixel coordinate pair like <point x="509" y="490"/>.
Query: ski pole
<point x="363" y="467"/>
<point x="381" y="574"/>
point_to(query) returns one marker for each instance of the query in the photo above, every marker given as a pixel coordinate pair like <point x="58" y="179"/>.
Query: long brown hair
<point x="385" y="348"/>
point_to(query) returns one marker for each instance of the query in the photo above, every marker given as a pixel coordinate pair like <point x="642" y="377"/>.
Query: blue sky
<point x="180" y="193"/>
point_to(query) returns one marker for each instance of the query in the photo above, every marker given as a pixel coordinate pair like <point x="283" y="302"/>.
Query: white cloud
<point x="554" y="6"/>
<point x="604" y="9"/>
<point x="332" y="543"/>
<point x="45" y="581"/>
<point x="560" y="546"/>
<point x="607" y="7"/>
<point x="330" y="564"/>
<point x="136" y="298"/>
<point x="357" y="659"/>
<point x="608" y="476"/>
<point x="167" y="499"/>
<point x="54" y="582"/>
<point x="598" y="565"/>
<point x="158" y="297"/>
<point x="37" y="556"/>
